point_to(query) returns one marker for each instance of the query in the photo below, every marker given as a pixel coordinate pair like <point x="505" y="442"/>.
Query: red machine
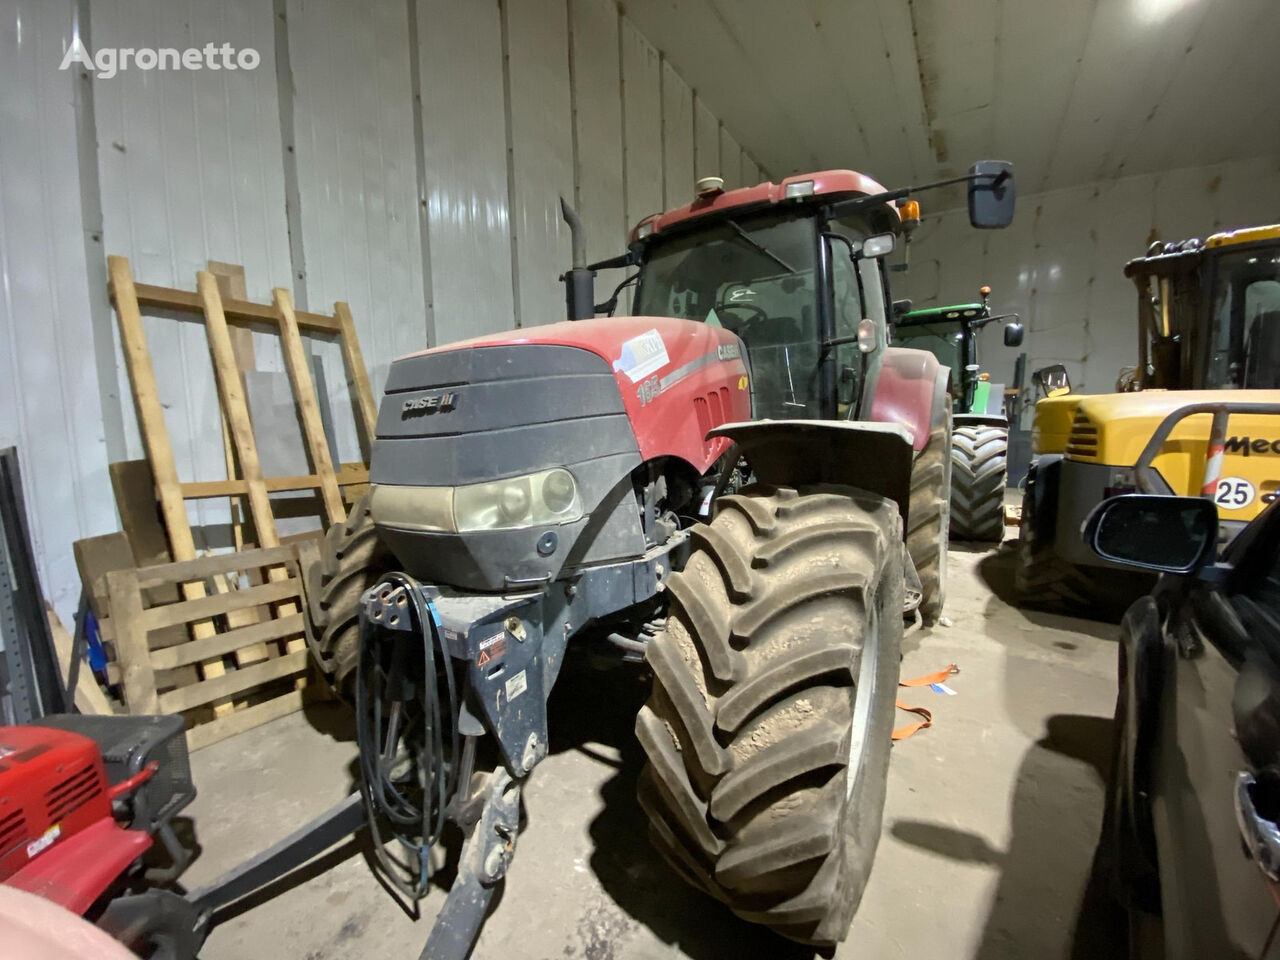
<point x="82" y="799"/>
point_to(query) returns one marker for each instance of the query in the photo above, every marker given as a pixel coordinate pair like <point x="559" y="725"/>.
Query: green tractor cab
<point x="980" y="440"/>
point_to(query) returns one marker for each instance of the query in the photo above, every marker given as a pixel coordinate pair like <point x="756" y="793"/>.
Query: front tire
<point x="979" y="470"/>
<point x="929" y="518"/>
<point x="768" y="730"/>
<point x="352" y="560"/>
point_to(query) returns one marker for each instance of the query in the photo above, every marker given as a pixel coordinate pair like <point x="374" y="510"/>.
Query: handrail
<point x="1221" y="410"/>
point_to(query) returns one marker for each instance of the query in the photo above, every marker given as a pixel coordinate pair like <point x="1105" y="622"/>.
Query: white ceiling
<point x="908" y="90"/>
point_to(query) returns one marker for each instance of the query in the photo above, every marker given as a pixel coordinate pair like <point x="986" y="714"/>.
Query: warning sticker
<point x="642" y="356"/>
<point x="517" y="685"/>
<point x="492" y="649"/>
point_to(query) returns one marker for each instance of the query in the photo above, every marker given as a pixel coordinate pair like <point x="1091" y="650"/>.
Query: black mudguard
<point x="871" y="456"/>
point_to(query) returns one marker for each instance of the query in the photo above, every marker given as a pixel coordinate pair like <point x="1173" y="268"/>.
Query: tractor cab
<point x="951" y="334"/>
<point x="1209" y="312"/>
<point x="801" y="286"/>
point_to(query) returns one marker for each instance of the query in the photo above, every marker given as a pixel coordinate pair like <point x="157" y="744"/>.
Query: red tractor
<point x="744" y="484"/>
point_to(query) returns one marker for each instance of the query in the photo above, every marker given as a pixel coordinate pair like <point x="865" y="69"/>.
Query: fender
<point x="871" y="456"/>
<point x="909" y="387"/>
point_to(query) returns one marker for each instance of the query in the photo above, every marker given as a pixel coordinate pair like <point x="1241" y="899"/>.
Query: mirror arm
<point x="1002" y="318"/>
<point x="845" y="207"/>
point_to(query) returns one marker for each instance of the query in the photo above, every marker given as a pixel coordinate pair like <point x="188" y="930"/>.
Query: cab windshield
<point x="1245" y="321"/>
<point x="754" y="276"/>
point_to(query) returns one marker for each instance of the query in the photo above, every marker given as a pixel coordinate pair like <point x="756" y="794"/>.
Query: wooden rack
<point x="257" y="645"/>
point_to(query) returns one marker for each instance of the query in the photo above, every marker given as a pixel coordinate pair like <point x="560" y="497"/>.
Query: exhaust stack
<point x="579" y="281"/>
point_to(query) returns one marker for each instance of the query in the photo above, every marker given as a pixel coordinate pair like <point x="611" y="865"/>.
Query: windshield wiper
<point x="760" y="246"/>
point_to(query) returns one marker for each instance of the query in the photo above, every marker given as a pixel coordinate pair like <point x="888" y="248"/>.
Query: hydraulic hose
<point x="402" y="721"/>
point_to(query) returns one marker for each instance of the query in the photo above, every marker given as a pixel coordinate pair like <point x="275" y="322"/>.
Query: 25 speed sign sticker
<point x="1234" y="493"/>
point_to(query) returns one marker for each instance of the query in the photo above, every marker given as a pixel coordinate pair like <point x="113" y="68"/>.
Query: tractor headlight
<point x="550" y="496"/>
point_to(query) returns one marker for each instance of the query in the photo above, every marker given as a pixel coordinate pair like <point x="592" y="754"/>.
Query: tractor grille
<point x="1082" y="443"/>
<point x="73" y="791"/>
<point x="13" y="829"/>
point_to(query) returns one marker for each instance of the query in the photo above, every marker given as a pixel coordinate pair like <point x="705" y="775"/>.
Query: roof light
<point x="799" y="188"/>
<point x="709" y="186"/>
<point x="644" y="229"/>
<point x="909" y="210"/>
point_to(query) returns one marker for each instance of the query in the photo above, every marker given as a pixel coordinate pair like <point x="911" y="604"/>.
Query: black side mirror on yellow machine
<point x="1154" y="532"/>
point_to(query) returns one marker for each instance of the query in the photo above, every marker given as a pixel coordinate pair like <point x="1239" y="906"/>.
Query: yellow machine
<point x="1209" y="332"/>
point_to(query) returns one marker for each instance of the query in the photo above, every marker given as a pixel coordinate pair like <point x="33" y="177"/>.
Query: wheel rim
<point x="865" y="692"/>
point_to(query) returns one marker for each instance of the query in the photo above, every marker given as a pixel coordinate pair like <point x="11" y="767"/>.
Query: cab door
<point x="1216" y="773"/>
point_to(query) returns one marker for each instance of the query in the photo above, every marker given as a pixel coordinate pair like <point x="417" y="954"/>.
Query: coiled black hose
<point x="400" y="715"/>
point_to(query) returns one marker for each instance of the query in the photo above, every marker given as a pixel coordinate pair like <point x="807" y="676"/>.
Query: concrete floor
<point x="989" y="829"/>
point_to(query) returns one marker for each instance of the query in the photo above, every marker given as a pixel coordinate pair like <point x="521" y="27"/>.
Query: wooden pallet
<point x="268" y="686"/>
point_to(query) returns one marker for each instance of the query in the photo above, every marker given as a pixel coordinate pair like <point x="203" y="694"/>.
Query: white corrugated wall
<point x="308" y="171"/>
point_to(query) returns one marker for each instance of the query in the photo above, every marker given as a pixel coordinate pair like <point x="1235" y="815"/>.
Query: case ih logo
<point x="1246" y="445"/>
<point x="418" y="406"/>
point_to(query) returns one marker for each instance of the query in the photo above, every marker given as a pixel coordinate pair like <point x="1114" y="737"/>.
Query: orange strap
<point x="929" y="678"/>
<point x="938" y="677"/>
<point x="903" y="732"/>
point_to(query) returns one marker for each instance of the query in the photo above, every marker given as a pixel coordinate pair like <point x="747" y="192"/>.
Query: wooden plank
<point x="237" y="410"/>
<point x="304" y="396"/>
<point x="235" y="311"/>
<point x="134" y="486"/>
<point x="231" y="285"/>
<point x="219" y="688"/>
<point x="231" y="393"/>
<point x="256" y="633"/>
<point x="88" y="696"/>
<point x="357" y="372"/>
<point x="137" y="675"/>
<point x="348" y="475"/>
<point x="135" y="490"/>
<point x="219" y="603"/>
<point x="204" y="734"/>
<point x="146" y="395"/>
<point x="214" y="564"/>
<point x="94" y="557"/>
<point x="155" y="435"/>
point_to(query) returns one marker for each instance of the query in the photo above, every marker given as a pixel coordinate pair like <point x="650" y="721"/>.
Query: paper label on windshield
<point x="642" y="356"/>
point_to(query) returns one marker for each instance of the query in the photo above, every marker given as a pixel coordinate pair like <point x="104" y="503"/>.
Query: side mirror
<point x="1013" y="335"/>
<point x="1152" y="532"/>
<point x="991" y="194"/>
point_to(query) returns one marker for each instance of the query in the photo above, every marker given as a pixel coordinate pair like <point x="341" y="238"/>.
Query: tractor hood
<point x="463" y="426"/>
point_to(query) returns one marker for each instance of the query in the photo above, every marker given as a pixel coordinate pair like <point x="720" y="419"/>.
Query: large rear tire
<point x="929" y="518"/>
<point x="979" y="469"/>
<point x="351" y="561"/>
<point x="768" y="729"/>
<point x="1045" y="581"/>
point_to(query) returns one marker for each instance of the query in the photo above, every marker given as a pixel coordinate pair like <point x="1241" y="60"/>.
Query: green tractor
<point x="980" y="439"/>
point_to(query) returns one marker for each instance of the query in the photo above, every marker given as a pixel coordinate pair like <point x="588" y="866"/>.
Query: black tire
<point x="979" y="470"/>
<point x="351" y="561"/>
<point x="768" y="729"/>
<point x="1045" y="581"/>
<point x="929" y="518"/>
